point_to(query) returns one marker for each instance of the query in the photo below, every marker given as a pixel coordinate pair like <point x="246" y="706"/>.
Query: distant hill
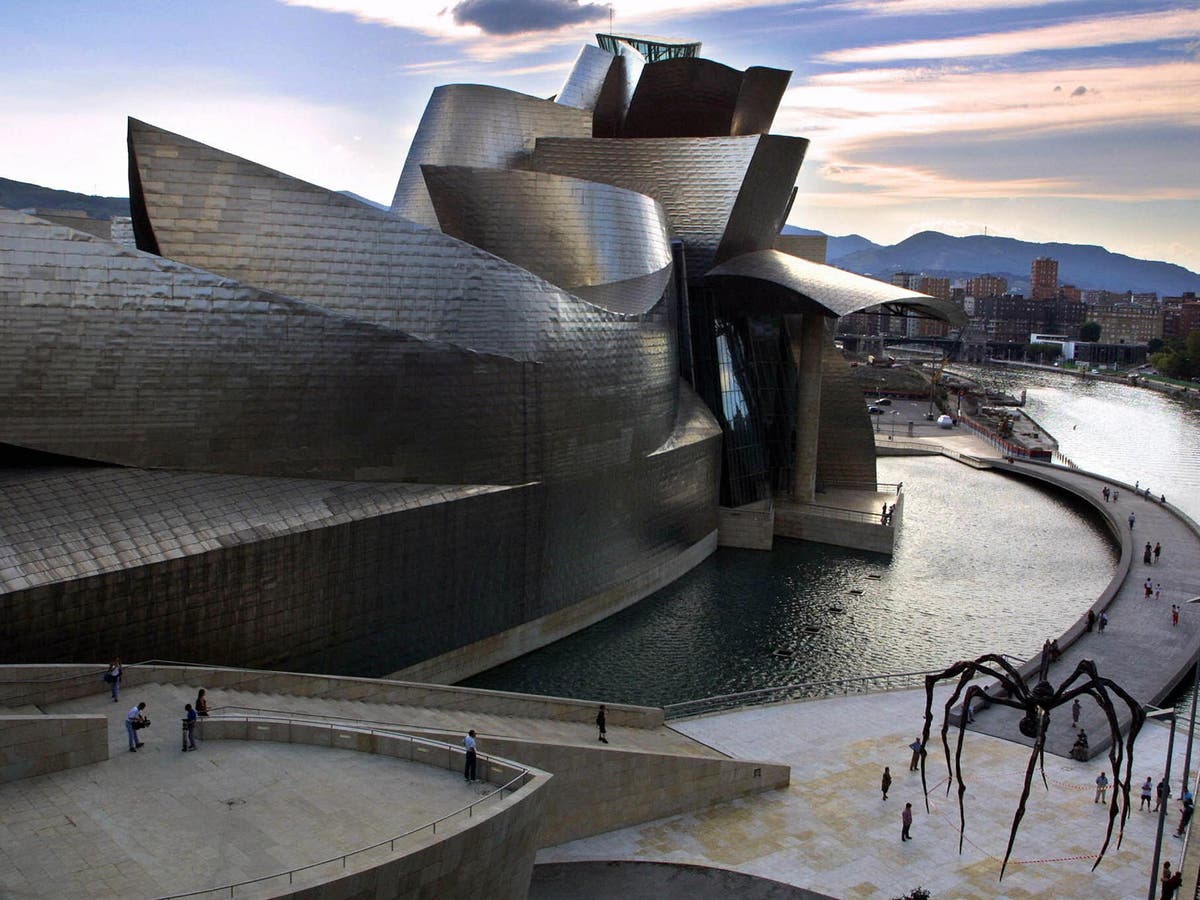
<point x="1085" y="266"/>
<point x="21" y="195"/>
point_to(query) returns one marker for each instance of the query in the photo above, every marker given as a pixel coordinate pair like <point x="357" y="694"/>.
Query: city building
<point x="1127" y="323"/>
<point x="293" y="430"/>
<point x="1043" y="278"/>
<point x="987" y="286"/>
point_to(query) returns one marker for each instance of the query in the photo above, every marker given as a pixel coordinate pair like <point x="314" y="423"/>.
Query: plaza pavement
<point x="830" y="831"/>
<point x="161" y="821"/>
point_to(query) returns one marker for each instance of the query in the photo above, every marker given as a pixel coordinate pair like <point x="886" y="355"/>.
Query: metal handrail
<point x="322" y="717"/>
<point x="805" y="690"/>
<point x="469" y="809"/>
<point x="842" y="512"/>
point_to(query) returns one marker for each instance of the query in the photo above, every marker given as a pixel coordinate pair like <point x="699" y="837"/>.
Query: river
<point x="979" y="567"/>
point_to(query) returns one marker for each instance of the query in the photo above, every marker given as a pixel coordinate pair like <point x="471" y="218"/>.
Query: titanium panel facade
<point x="573" y="233"/>
<point x="584" y="82"/>
<point x="476" y="125"/>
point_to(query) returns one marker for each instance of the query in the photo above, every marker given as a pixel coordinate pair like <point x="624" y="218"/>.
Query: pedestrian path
<point x="1140" y="649"/>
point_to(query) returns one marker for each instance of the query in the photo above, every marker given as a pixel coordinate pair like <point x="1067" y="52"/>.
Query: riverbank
<point x="1189" y="395"/>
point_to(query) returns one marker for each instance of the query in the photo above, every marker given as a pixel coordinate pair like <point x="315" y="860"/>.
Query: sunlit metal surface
<point x="477" y="125"/>
<point x="583" y="84"/>
<point x="574" y="233"/>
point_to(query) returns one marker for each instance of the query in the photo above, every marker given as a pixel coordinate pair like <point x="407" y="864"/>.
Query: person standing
<point x="1076" y="708"/>
<point x="469" y="763"/>
<point x="601" y="721"/>
<point x="1103" y="621"/>
<point x="1185" y="816"/>
<point x="1147" y="791"/>
<point x="1157" y="550"/>
<point x="906" y="822"/>
<point x="886" y="784"/>
<point x="1158" y="592"/>
<point x="1174" y="615"/>
<point x="113" y="677"/>
<point x="1170" y="881"/>
<point x="135" y="719"/>
<point x="915" y="747"/>
<point x="1091" y="619"/>
<point x="1101" y="788"/>
<point x="1105" y="493"/>
<point x="202" y="704"/>
<point x="1148" y="587"/>
<point x="1148" y="554"/>
<point x="189" y="728"/>
<point x="1162" y="794"/>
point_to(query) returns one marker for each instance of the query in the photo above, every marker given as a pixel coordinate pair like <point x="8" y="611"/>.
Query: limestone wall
<point x="37" y="745"/>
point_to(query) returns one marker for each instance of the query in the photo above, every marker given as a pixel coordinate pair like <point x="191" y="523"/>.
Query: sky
<point x="1044" y="120"/>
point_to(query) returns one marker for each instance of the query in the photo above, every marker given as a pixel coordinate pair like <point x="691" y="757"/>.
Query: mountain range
<point x="928" y="253"/>
<point x="940" y="255"/>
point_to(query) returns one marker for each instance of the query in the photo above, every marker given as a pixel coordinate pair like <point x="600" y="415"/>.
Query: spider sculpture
<point x="1036" y="704"/>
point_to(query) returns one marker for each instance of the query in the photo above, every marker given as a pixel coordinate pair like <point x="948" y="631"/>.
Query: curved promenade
<point x="1140" y="649"/>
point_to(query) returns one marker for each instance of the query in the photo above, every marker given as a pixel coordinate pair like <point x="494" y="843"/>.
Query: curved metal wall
<point x="477" y="125"/>
<point x="119" y="356"/>
<point x="571" y="232"/>
<point x="583" y="84"/>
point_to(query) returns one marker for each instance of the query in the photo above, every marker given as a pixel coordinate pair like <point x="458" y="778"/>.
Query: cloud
<point x="1079" y="91"/>
<point x="1094" y="32"/>
<point x="522" y="16"/>
<point x="940" y="7"/>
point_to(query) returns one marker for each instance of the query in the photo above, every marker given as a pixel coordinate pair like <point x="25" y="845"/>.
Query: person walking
<point x="1158" y="592"/>
<point x="1132" y="520"/>
<point x="189" y="728"/>
<point x="1147" y="792"/>
<point x="113" y="677"/>
<point x="1157" y="550"/>
<point x="906" y="822"/>
<point x="1103" y="621"/>
<point x="886" y="784"/>
<point x="915" y="747"/>
<point x="135" y="719"/>
<point x="1148" y="554"/>
<point x="1091" y="619"/>
<point x="601" y="721"/>
<point x="1101" y="788"/>
<point x="1105" y="493"/>
<point x="1116" y="494"/>
<point x="1185" y="816"/>
<point x="1148" y="587"/>
<point x="1174" y="615"/>
<point x="1076" y="708"/>
<point x="469" y="762"/>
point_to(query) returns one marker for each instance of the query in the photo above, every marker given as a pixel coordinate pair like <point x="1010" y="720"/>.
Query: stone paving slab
<point x="832" y="832"/>
<point x="162" y="821"/>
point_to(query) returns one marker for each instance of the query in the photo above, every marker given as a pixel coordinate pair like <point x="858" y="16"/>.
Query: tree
<point x="1089" y="332"/>
<point x="1043" y="351"/>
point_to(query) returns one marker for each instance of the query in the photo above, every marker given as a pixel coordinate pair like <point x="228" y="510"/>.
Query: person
<point x="1170" y="881"/>
<point x="1158" y="592"/>
<point x="883" y="515"/>
<point x="886" y="784"/>
<point x="906" y="822"/>
<point x="202" y="704"/>
<point x="189" y="727"/>
<point x="1101" y="788"/>
<point x="1105" y="493"/>
<point x="1055" y="653"/>
<point x="1162" y="498"/>
<point x="1148" y="587"/>
<point x="113" y="677"/>
<point x="1091" y="619"/>
<point x="469" y="764"/>
<point x="1147" y="791"/>
<point x="1132" y="519"/>
<point x="135" y="720"/>
<point x="1137" y="486"/>
<point x="1162" y="794"/>
<point x="1103" y="621"/>
<point x="601" y="721"/>
<point x="1185" y="816"/>
<point x="1075" y="710"/>
<point x="915" y="747"/>
<point x="1174" y="615"/>
<point x="1079" y="750"/>
<point x="1116" y="494"/>
<point x="1147" y="554"/>
<point x="1157" y="550"/>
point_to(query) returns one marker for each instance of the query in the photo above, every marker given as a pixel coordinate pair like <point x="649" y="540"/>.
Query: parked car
<point x="945" y="421"/>
<point x="884" y="401"/>
<point x="875" y="410"/>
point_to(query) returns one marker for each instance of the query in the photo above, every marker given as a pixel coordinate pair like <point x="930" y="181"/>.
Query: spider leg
<point x="1020" y="813"/>
<point x="972" y="692"/>
<point x="967" y="675"/>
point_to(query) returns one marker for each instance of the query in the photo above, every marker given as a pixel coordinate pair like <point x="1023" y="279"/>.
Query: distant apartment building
<point x="1181" y="315"/>
<point x="1127" y="324"/>
<point x="1070" y="292"/>
<point x="987" y="286"/>
<point x="1043" y="278"/>
<point x="1102" y="298"/>
<point x="939" y="288"/>
<point x="1014" y="318"/>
